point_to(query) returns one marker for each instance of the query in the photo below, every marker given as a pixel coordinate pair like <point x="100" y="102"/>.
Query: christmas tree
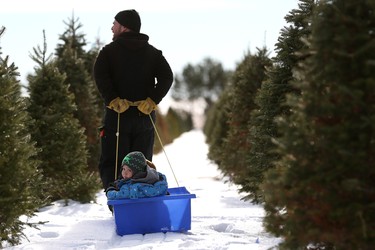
<point x="20" y="178"/>
<point x="324" y="180"/>
<point x="271" y="99"/>
<point x="59" y="134"/>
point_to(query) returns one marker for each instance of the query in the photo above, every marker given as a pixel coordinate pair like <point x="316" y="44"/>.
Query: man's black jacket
<point x="132" y="69"/>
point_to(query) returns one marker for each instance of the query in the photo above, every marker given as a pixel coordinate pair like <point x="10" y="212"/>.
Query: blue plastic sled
<point x="168" y="213"/>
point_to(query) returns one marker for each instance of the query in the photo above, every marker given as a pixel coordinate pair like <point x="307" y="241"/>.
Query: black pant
<point x="136" y="134"/>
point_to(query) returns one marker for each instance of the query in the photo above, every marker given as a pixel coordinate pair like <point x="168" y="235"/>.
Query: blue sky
<point x="185" y="30"/>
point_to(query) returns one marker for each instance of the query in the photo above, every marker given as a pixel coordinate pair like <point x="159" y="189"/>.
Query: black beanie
<point x="130" y="19"/>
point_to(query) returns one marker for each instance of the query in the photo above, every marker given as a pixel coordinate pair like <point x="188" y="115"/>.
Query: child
<point x="139" y="179"/>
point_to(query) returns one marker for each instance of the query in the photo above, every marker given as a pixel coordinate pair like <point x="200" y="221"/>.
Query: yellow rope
<point x="117" y="140"/>
<point x="157" y="134"/>
<point x="162" y="146"/>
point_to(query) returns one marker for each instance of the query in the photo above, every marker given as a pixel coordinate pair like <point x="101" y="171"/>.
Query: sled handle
<point x="162" y="146"/>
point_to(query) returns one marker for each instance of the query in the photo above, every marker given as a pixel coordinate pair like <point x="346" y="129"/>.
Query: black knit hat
<point x="136" y="161"/>
<point x="129" y="19"/>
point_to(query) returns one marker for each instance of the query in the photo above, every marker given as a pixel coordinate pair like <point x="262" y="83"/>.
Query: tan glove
<point x="119" y="105"/>
<point x="147" y="106"/>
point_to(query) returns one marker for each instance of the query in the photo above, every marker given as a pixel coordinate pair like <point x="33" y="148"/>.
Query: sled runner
<point x="167" y="213"/>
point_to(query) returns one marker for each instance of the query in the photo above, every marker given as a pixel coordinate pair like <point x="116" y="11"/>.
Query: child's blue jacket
<point x="154" y="184"/>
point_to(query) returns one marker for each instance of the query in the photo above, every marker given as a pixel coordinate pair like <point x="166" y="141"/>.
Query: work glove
<point x="147" y="106"/>
<point x="119" y="105"/>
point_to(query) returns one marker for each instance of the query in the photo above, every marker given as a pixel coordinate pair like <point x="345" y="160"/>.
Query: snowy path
<point x="220" y="220"/>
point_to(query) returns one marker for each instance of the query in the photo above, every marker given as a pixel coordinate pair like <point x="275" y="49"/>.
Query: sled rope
<point x="162" y="146"/>
<point x="135" y="104"/>
<point x="117" y="140"/>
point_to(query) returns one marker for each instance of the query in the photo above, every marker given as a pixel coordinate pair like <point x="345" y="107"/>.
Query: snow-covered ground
<point x="220" y="220"/>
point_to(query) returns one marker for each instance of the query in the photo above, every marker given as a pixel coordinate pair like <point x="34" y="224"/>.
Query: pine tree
<point x="20" y="179"/>
<point x="89" y="59"/>
<point x="247" y="80"/>
<point x="216" y="126"/>
<point x="170" y="126"/>
<point x="325" y="177"/>
<point x="73" y="62"/>
<point x="271" y="99"/>
<point x="59" y="134"/>
<point x="178" y="121"/>
<point x="202" y="81"/>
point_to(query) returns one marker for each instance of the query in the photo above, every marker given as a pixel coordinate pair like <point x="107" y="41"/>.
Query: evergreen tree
<point x="171" y="126"/>
<point x="216" y="126"/>
<point x="271" y="100"/>
<point x="89" y="60"/>
<point x="162" y="129"/>
<point x="20" y="179"/>
<point x="179" y="121"/>
<point x="325" y="177"/>
<point x="247" y="80"/>
<point x="205" y="80"/>
<point x="73" y="62"/>
<point x="59" y="134"/>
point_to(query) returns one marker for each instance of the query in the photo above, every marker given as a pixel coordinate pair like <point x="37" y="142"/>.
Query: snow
<point x="220" y="219"/>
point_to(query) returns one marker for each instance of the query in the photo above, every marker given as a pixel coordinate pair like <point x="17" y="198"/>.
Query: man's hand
<point x="147" y="106"/>
<point x="119" y="105"/>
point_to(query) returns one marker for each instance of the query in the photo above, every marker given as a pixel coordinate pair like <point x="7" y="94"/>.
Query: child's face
<point x="126" y="172"/>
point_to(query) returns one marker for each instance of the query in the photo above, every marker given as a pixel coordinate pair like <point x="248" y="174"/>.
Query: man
<point x="132" y="77"/>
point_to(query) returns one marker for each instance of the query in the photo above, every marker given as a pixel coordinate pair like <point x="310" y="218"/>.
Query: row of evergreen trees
<point x="296" y="132"/>
<point x="50" y="143"/>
